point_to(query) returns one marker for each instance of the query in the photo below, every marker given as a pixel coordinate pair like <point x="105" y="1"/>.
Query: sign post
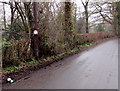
<point x="35" y="32"/>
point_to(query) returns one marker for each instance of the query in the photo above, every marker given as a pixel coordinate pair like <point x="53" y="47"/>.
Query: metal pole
<point x="35" y="32"/>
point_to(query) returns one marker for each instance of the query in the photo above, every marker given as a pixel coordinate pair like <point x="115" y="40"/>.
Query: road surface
<point x="96" y="68"/>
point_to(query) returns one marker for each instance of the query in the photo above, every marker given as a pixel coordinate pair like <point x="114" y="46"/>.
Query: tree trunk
<point x="4" y="16"/>
<point x="36" y="49"/>
<point x="12" y="13"/>
<point x="118" y="17"/>
<point x="86" y="18"/>
<point x="68" y="26"/>
<point x="29" y="18"/>
<point x="30" y="23"/>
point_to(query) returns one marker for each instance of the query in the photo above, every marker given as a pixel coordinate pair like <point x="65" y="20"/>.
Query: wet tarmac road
<point x="96" y="68"/>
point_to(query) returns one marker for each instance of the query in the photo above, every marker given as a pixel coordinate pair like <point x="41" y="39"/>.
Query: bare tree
<point x="105" y="13"/>
<point x="85" y="4"/>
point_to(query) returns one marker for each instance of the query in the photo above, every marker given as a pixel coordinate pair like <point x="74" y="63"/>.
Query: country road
<point x="96" y="68"/>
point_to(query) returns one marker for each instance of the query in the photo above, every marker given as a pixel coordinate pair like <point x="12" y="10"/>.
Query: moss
<point x="12" y="68"/>
<point x="32" y="63"/>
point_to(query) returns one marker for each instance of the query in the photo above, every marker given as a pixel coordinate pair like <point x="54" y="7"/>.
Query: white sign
<point x="35" y="32"/>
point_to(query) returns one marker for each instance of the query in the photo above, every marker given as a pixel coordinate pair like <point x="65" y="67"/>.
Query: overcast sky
<point x="78" y="2"/>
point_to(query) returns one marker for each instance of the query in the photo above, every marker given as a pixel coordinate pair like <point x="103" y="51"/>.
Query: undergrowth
<point x="34" y="62"/>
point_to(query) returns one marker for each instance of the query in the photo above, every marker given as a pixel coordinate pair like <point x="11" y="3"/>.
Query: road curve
<point x="96" y="68"/>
